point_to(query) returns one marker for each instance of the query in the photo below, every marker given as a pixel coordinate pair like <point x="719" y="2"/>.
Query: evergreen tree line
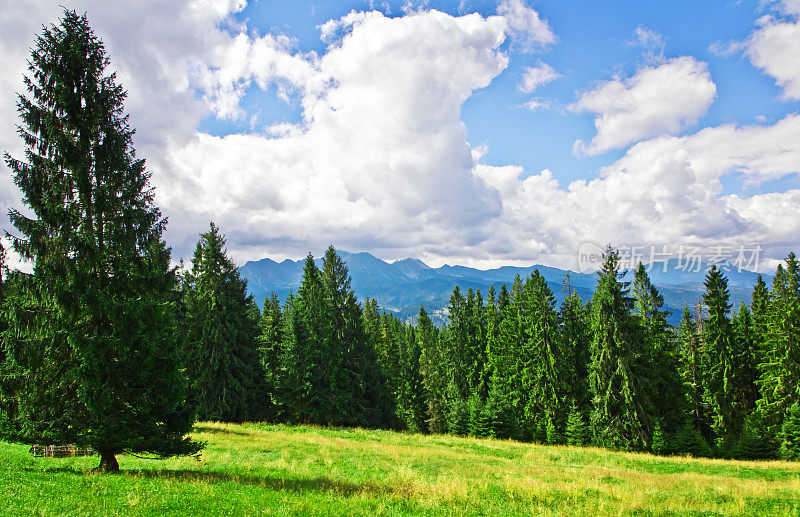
<point x="609" y="372"/>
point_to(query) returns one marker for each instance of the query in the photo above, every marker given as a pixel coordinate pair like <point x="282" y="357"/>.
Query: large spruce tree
<point x="222" y="357"/>
<point x="91" y="330"/>
<point x="619" y="417"/>
<point x="780" y="369"/>
<point x="719" y="359"/>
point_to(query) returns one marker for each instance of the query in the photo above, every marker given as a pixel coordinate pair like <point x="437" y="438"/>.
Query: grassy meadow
<point x="255" y="469"/>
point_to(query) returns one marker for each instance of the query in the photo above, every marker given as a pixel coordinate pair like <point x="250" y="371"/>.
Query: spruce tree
<point x="693" y="374"/>
<point x="272" y="326"/>
<point x="576" y="432"/>
<point x="780" y="371"/>
<point x="659" y="443"/>
<point x="414" y="393"/>
<point x="790" y="434"/>
<point x="576" y="339"/>
<point x="745" y="355"/>
<point x="433" y="371"/>
<point x="329" y="372"/>
<point x="657" y="356"/>
<point x="543" y="366"/>
<point x="719" y="359"/>
<point x="222" y="357"/>
<point x="92" y="328"/>
<point x="759" y="308"/>
<point x="618" y="417"/>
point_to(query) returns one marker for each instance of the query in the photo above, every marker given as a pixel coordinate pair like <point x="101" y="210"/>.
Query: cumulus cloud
<point x="662" y="191"/>
<point x="527" y="28"/>
<point x="774" y="48"/>
<point x="657" y="100"/>
<point x="380" y="159"/>
<point x="535" y="76"/>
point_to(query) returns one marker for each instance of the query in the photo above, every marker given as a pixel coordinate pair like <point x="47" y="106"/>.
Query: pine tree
<point x="92" y="326"/>
<point x="222" y="358"/>
<point x="759" y="308"/>
<point x="543" y="366"/>
<point x="780" y="371"/>
<point x="433" y="372"/>
<point x="298" y="383"/>
<point x="618" y="417"/>
<point x="576" y="432"/>
<point x="790" y="434"/>
<point x="745" y="355"/>
<point x="576" y="339"/>
<point x="657" y="356"/>
<point x="272" y="326"/>
<point x="693" y="374"/>
<point x="659" y="442"/>
<point x="718" y="359"/>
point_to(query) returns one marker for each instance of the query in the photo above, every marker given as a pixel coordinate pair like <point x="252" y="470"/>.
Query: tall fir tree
<point x="759" y="309"/>
<point x="694" y="374"/>
<point x="543" y="366"/>
<point x="434" y="372"/>
<point x="222" y="337"/>
<point x="780" y="370"/>
<point x="92" y="328"/>
<point x="329" y="370"/>
<point x="272" y="326"/>
<point x="746" y="353"/>
<point x="658" y="356"/>
<point x="618" y="417"/>
<point x="576" y="338"/>
<point x="719" y="359"/>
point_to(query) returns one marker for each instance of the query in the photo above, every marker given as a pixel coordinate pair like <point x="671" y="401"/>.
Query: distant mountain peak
<point x="411" y="261"/>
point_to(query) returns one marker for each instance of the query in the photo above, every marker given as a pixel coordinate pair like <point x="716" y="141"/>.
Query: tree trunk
<point x="108" y="462"/>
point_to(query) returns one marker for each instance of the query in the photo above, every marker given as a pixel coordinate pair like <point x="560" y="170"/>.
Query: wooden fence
<point x="60" y="451"/>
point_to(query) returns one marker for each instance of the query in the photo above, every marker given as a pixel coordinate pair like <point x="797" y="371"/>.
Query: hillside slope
<point x="279" y="470"/>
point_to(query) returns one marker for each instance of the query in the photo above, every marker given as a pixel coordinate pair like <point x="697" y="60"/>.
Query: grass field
<point x="266" y="469"/>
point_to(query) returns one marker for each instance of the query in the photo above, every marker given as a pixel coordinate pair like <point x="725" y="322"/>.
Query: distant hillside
<point x="402" y="286"/>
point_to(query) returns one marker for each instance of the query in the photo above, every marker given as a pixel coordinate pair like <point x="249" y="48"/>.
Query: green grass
<point x="279" y="470"/>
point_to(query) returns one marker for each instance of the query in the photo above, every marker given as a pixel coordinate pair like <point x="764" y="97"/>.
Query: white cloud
<point x="775" y="46"/>
<point x="649" y="38"/>
<point x="662" y="191"/>
<point x="657" y="100"/>
<point x="535" y="76"/>
<point x="380" y="160"/>
<point x="527" y="28"/>
<point x="538" y="103"/>
<point x="651" y="41"/>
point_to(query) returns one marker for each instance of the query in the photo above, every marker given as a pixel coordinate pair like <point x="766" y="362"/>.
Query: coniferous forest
<point x="106" y="344"/>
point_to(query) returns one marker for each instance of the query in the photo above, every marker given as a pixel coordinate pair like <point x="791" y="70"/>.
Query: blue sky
<point x="480" y="133"/>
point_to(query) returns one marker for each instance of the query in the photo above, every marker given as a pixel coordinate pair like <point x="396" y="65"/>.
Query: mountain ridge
<point x="402" y="286"/>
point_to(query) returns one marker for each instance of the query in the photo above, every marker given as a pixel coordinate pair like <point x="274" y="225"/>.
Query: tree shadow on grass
<point x="297" y="485"/>
<point x="216" y="430"/>
<point x="316" y="484"/>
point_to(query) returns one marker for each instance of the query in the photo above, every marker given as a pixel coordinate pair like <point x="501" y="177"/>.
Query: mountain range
<point x="404" y="285"/>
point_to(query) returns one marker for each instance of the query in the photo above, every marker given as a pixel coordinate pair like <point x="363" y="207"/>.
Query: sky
<point x="476" y="133"/>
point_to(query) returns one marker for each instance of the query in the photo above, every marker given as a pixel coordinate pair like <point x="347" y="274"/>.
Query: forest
<point x="107" y="344"/>
<point x="609" y="371"/>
